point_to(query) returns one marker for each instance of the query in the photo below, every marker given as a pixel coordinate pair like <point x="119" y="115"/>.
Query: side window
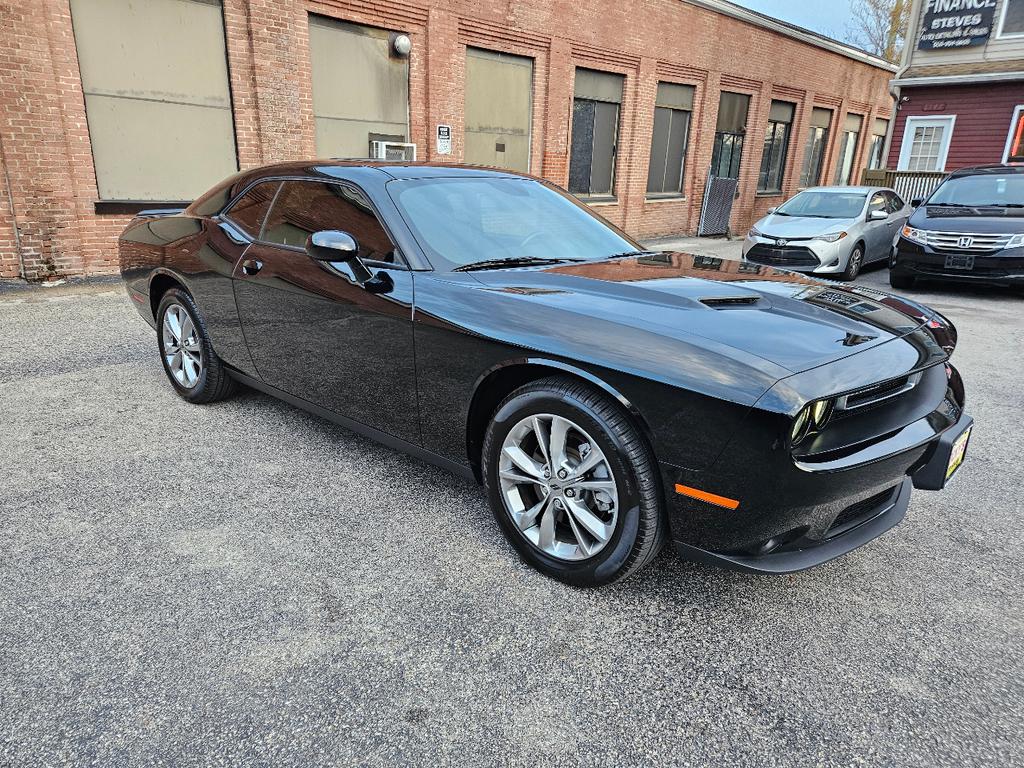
<point x="895" y="202"/>
<point x="878" y="202"/>
<point x="250" y="209"/>
<point x="305" y="207"/>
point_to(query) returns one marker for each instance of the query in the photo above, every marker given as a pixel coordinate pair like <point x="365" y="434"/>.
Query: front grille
<point x="782" y="256"/>
<point x="965" y="242"/>
<point x="860" y="512"/>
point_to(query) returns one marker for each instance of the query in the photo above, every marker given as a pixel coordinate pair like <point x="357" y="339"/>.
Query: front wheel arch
<point x="499" y="381"/>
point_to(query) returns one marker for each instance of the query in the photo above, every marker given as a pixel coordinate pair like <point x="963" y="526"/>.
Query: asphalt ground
<point x="244" y="583"/>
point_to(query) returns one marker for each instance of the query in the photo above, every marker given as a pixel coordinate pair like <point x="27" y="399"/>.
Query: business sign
<point x="956" y="23"/>
<point x="444" y="139"/>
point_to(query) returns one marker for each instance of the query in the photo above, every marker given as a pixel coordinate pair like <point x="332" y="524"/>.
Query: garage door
<point x="499" y="90"/>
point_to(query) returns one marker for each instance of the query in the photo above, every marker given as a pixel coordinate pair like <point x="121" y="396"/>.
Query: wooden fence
<point x="909" y="185"/>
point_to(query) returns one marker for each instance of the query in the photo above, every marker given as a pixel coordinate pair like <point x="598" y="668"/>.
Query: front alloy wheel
<point x="557" y="487"/>
<point x="572" y="482"/>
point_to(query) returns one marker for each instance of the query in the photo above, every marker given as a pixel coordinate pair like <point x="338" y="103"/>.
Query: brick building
<point x="961" y="86"/>
<point x="110" y="106"/>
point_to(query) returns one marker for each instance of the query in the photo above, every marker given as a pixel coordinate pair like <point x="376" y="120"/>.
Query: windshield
<point x="460" y="221"/>
<point x="824" y="205"/>
<point x="983" y="189"/>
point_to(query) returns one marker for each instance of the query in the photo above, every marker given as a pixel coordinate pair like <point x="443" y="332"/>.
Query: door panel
<point x="315" y="333"/>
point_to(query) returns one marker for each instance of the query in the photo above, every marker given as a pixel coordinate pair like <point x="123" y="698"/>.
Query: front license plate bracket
<point x="959" y="261"/>
<point x="947" y="457"/>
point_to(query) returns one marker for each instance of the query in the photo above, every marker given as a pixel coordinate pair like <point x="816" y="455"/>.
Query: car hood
<point x="778" y="321"/>
<point x="794" y="227"/>
<point x="997" y="222"/>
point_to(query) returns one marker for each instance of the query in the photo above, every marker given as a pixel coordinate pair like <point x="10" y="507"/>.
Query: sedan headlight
<point x="812" y="418"/>
<point x="833" y="237"/>
<point x="915" y="235"/>
<point x="754" y="233"/>
<point x="1016" y="241"/>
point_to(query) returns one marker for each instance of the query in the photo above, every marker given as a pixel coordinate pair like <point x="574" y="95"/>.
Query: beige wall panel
<point x="353" y="76"/>
<point x="350" y="138"/>
<point x="137" y="158"/>
<point x="498" y="110"/>
<point x="172" y="50"/>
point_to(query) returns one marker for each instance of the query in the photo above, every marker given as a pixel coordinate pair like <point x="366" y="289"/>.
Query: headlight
<point x="915" y="235"/>
<point x="1015" y="242"/>
<point x="834" y="237"/>
<point x="754" y="233"/>
<point x="812" y="418"/>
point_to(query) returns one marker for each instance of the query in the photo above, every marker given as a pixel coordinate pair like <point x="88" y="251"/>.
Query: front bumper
<point x="809" y="256"/>
<point x="795" y="512"/>
<point x="1001" y="268"/>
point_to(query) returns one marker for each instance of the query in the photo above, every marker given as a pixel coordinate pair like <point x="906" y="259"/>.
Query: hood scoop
<point x="729" y="302"/>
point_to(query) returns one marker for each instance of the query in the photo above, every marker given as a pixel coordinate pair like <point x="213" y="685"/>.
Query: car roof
<point x="413" y="170"/>
<point x="993" y="168"/>
<point x="863" y="190"/>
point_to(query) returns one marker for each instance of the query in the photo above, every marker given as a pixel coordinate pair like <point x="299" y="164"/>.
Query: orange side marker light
<point x="710" y="498"/>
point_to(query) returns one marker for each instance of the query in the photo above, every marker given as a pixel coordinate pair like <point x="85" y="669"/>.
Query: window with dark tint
<point x="983" y="190"/>
<point x="1013" y="18"/>
<point x="814" y="152"/>
<point x="776" y="146"/>
<point x="595" y="125"/>
<point x="729" y="133"/>
<point x="894" y="204"/>
<point x="250" y="209"/>
<point x="305" y="207"/>
<point x="671" y="135"/>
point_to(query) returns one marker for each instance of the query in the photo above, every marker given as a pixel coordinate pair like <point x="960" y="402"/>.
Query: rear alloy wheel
<point x="572" y="483"/>
<point x="854" y="264"/>
<point x="191" y="365"/>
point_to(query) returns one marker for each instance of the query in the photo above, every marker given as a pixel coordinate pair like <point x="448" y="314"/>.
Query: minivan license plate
<point x="959" y="261"/>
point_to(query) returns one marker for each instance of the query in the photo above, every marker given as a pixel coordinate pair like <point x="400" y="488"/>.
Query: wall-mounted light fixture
<point x="401" y="45"/>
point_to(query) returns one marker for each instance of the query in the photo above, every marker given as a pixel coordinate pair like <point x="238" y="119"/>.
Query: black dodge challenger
<point x="609" y="398"/>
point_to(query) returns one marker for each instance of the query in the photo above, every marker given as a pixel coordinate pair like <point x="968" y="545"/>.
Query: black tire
<point x="213" y="383"/>
<point x="900" y="280"/>
<point x="853" y="264"/>
<point x="639" y="533"/>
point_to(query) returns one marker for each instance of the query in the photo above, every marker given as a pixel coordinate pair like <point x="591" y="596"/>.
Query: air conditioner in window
<point x="393" y="150"/>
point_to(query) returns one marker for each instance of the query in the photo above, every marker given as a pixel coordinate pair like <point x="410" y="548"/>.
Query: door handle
<point x="252" y="266"/>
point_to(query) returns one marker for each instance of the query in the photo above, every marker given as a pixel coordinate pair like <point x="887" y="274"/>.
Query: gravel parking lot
<point x="245" y="583"/>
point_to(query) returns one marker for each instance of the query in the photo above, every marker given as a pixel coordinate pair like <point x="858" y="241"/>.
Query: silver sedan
<point x="829" y="230"/>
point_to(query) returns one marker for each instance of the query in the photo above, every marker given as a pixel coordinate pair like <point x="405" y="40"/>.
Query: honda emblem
<point x="965" y="242"/>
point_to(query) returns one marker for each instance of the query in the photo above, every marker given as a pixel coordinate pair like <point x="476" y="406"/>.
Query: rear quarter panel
<point x="200" y="254"/>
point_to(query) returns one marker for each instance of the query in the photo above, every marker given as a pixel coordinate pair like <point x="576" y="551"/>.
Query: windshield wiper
<point x="628" y="254"/>
<point x="519" y="261"/>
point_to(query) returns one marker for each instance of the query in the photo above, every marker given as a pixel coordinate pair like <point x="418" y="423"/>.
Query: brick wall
<point x="983" y="116"/>
<point x="48" y="221"/>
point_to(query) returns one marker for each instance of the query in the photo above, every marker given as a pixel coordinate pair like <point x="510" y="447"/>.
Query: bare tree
<point x="880" y="26"/>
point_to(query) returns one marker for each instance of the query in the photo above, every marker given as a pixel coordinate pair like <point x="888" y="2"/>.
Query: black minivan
<point x="970" y="229"/>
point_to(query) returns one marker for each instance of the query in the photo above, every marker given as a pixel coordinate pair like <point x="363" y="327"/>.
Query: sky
<point x="829" y="17"/>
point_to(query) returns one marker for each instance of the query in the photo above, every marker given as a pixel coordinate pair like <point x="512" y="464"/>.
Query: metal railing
<point x="908" y="184"/>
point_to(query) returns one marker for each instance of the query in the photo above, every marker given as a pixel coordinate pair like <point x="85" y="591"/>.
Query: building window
<point x="776" y="147"/>
<point x="875" y="158"/>
<point x="1014" y="152"/>
<point x="926" y="143"/>
<point x="498" y="109"/>
<point x="1011" y="23"/>
<point x="848" y="141"/>
<point x="814" y="152"/>
<point x="595" y="126"/>
<point x="157" y="101"/>
<point x="729" y="132"/>
<point x="360" y="91"/>
<point x="672" y="109"/>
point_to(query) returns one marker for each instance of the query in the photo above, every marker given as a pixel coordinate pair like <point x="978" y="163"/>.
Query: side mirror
<point x="877" y="215"/>
<point x="771" y="210"/>
<point x="916" y="202"/>
<point x="332" y="245"/>
<point x="335" y="246"/>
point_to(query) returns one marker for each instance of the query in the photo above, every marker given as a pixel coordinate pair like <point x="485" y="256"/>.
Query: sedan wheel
<point x="572" y="482"/>
<point x="854" y="264"/>
<point x="558" y="487"/>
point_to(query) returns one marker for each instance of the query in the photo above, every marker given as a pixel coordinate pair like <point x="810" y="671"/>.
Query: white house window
<point x="1011" y="23"/>
<point x="1014" y="152"/>
<point x="926" y="143"/>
